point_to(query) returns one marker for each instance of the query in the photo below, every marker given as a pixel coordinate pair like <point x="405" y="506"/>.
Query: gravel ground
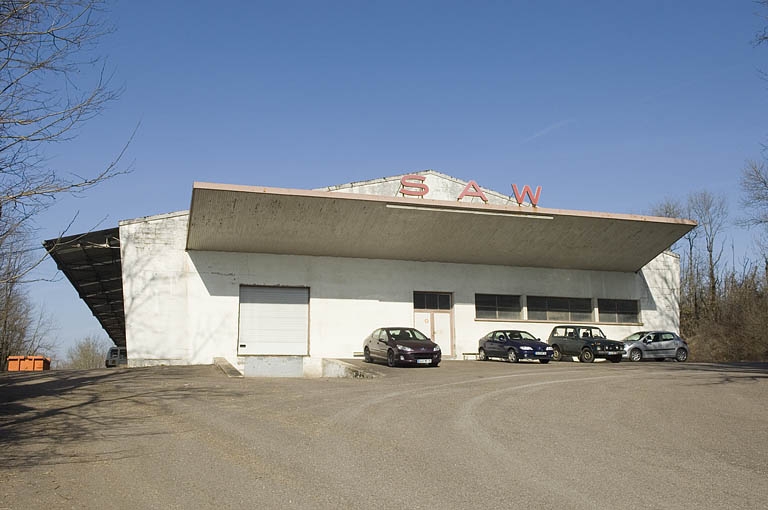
<point x="466" y="435"/>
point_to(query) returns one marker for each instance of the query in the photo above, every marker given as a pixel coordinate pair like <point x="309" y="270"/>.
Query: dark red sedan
<point x="401" y="346"/>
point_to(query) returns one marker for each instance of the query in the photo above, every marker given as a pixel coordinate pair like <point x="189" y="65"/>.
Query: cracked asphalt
<point x="466" y="435"/>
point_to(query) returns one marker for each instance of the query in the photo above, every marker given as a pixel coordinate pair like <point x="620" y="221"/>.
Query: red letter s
<point x="413" y="181"/>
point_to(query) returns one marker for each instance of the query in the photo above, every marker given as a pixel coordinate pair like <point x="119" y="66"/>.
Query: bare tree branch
<point x="52" y="81"/>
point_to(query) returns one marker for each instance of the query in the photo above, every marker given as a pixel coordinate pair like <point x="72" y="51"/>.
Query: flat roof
<point x="236" y="218"/>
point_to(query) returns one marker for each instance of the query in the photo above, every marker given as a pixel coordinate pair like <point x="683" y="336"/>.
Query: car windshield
<point x="634" y="336"/>
<point x="519" y="335"/>
<point x="593" y="332"/>
<point x="407" y="334"/>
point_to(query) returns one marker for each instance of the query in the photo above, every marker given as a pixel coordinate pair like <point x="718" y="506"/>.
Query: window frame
<point x="616" y="315"/>
<point x="554" y="311"/>
<point x="516" y="308"/>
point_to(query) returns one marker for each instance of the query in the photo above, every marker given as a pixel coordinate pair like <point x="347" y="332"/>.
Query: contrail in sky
<point x="548" y="129"/>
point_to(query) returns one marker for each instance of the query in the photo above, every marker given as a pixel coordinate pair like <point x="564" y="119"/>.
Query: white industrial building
<point x="276" y="280"/>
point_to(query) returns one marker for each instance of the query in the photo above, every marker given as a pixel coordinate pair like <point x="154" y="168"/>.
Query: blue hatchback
<point x="513" y="345"/>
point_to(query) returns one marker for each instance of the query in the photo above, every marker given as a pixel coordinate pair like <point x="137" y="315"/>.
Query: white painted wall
<point x="182" y="308"/>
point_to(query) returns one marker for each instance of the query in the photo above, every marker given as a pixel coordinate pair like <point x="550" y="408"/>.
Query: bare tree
<point x="754" y="185"/>
<point x="23" y="330"/>
<point x="50" y="84"/>
<point x="44" y="48"/>
<point x="711" y="213"/>
<point x="689" y="256"/>
<point x="671" y="207"/>
<point x="90" y="352"/>
<point x="754" y="188"/>
<point x="762" y="36"/>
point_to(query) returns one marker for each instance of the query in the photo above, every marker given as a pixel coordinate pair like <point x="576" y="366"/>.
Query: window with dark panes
<point x="537" y="308"/>
<point x="497" y="306"/>
<point x="618" y="310"/>
<point x="431" y="301"/>
<point x="581" y="309"/>
<point x="549" y="308"/>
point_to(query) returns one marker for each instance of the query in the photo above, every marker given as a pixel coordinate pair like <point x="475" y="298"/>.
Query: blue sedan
<point x="513" y="345"/>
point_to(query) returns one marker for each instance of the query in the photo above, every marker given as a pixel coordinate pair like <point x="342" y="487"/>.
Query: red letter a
<point x="468" y="192"/>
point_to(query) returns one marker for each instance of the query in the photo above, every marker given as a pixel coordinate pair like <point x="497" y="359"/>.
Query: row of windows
<point x="540" y="308"/>
<point x="546" y="308"/>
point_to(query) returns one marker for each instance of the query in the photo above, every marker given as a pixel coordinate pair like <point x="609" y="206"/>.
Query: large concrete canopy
<point x="255" y="219"/>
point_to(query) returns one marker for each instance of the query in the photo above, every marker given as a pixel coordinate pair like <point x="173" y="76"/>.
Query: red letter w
<point x="527" y="191"/>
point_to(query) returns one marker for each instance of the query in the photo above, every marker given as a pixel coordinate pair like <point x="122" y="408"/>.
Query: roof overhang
<point x="254" y="219"/>
<point x="91" y="262"/>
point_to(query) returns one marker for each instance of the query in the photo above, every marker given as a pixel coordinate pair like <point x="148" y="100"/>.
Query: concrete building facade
<point x="276" y="281"/>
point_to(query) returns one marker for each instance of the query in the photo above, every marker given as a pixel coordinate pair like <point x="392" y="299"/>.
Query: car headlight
<point x="525" y="348"/>
<point x="437" y="348"/>
<point x="550" y="349"/>
<point x="404" y="348"/>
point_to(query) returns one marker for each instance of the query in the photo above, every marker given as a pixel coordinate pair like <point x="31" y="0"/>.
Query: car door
<point x="652" y="344"/>
<point x="666" y="345"/>
<point x="572" y="342"/>
<point x="557" y="337"/>
<point x="487" y="344"/>
<point x="492" y="345"/>
<point x="379" y="344"/>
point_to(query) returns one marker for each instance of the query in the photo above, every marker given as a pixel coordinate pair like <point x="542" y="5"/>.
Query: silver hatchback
<point x="658" y="345"/>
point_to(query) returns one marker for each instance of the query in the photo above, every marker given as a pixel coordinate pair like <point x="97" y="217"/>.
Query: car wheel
<point x="391" y="362"/>
<point x="481" y="355"/>
<point x="367" y="355"/>
<point x="556" y="354"/>
<point x="635" y="355"/>
<point x="586" y="356"/>
<point x="512" y="356"/>
<point x="681" y="355"/>
<point x="545" y="361"/>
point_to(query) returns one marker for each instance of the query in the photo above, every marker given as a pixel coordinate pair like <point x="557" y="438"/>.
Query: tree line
<point x="723" y="305"/>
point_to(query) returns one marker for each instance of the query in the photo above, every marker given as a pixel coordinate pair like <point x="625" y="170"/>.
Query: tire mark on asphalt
<point x="467" y="424"/>
<point x="420" y="390"/>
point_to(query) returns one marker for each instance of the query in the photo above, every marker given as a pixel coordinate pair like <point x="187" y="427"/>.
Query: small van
<point x="117" y="356"/>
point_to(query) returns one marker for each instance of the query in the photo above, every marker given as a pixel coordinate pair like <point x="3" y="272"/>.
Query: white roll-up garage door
<point x="274" y="320"/>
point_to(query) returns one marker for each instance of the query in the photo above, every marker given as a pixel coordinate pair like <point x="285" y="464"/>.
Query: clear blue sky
<point x="608" y="105"/>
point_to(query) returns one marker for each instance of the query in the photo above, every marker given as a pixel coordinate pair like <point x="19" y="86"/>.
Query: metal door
<point x="273" y="320"/>
<point x="437" y="326"/>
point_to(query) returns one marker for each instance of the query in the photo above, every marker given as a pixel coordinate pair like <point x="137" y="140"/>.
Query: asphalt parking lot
<point x="468" y="434"/>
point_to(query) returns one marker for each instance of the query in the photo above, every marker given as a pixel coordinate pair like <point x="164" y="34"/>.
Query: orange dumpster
<point x="28" y="363"/>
